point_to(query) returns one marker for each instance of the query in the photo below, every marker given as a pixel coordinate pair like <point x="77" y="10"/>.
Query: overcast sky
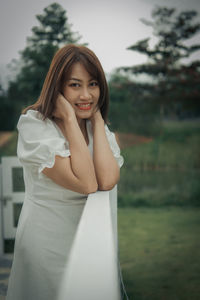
<point x="109" y="26"/>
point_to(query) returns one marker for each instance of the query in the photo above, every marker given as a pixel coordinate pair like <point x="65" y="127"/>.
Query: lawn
<point x="165" y="171"/>
<point x="159" y="252"/>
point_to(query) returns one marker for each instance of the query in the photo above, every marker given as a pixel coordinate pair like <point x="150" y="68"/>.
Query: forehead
<point x="84" y="68"/>
<point x="78" y="69"/>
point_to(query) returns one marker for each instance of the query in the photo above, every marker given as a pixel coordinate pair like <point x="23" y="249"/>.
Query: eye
<point x="94" y="83"/>
<point x="74" y="84"/>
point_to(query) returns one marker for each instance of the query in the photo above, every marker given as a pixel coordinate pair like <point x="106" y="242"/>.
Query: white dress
<point x="50" y="213"/>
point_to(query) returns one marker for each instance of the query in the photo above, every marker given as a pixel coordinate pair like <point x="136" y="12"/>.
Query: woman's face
<point x="82" y="91"/>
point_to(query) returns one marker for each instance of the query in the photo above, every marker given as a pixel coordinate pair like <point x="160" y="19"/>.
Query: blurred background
<point x="150" y="51"/>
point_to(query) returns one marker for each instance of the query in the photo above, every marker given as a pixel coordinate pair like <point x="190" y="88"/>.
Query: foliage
<point x="172" y="30"/>
<point x="132" y="108"/>
<point x="159" y="188"/>
<point x="159" y="252"/>
<point x="165" y="171"/>
<point x="177" y="86"/>
<point x="52" y="32"/>
<point x="7" y="109"/>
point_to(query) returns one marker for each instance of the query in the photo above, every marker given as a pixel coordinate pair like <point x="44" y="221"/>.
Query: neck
<point x="81" y="123"/>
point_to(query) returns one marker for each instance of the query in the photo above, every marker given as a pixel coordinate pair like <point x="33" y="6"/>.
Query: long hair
<point x="59" y="70"/>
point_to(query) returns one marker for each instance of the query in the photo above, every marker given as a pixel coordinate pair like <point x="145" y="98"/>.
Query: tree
<point x="177" y="85"/>
<point x="52" y="33"/>
<point x="132" y="108"/>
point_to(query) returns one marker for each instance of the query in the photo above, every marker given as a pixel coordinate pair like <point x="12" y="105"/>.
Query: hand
<point x="63" y="109"/>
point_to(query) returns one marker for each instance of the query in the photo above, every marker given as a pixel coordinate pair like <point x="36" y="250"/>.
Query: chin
<point x="84" y="115"/>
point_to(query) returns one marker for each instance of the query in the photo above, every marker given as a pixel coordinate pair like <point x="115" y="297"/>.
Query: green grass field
<point x="165" y="171"/>
<point x="159" y="215"/>
<point x="159" y="252"/>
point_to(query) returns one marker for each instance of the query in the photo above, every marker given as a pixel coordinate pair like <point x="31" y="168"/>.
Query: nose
<point x="85" y="94"/>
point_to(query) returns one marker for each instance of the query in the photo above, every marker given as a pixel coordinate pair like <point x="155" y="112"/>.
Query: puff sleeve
<point x="114" y="146"/>
<point x="39" y="141"/>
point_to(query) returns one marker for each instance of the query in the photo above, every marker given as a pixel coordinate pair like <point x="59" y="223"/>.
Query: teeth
<point x="84" y="105"/>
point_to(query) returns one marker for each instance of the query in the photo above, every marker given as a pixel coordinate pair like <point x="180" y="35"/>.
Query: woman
<point x="67" y="152"/>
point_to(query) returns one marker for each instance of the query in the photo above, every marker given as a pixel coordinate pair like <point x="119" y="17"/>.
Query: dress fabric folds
<point x="50" y="214"/>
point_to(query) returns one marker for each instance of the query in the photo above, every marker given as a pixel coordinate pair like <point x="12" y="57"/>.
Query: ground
<point x="5" y="264"/>
<point x="5" y="137"/>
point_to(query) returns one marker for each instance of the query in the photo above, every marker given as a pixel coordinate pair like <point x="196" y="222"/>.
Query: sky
<point x="108" y="26"/>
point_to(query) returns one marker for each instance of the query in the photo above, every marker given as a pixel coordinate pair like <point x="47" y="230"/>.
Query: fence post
<point x="1" y="214"/>
<point x="92" y="268"/>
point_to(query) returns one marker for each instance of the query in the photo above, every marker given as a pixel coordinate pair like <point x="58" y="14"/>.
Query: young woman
<point x="67" y="152"/>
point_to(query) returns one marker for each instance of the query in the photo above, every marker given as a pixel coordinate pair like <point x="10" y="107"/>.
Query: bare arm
<point x="106" y="167"/>
<point x="77" y="171"/>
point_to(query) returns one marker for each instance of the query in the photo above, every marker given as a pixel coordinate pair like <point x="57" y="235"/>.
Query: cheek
<point x="68" y="94"/>
<point x="65" y="92"/>
<point x="97" y="95"/>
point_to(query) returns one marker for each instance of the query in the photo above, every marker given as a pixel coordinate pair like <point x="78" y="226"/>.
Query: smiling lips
<point x="84" y="106"/>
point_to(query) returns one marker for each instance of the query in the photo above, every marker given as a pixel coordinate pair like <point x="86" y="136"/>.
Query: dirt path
<point x="5" y="137"/>
<point x="130" y="139"/>
<point x="124" y="139"/>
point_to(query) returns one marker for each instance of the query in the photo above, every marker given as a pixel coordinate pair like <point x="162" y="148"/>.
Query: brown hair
<point x="58" y="72"/>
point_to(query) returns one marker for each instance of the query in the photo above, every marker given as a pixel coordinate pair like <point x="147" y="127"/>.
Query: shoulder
<point x="110" y="134"/>
<point x="112" y="137"/>
<point x="113" y="141"/>
<point x="31" y="117"/>
<point x="108" y="131"/>
<point x="33" y="123"/>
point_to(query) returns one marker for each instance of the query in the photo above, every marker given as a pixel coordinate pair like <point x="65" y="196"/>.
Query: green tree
<point x="52" y="33"/>
<point x="177" y="86"/>
<point x="132" y="108"/>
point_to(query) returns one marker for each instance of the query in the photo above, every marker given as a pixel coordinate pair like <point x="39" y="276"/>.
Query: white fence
<point x="12" y="195"/>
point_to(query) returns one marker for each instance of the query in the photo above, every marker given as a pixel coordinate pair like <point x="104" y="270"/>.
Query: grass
<point x="159" y="224"/>
<point x="174" y="149"/>
<point x="155" y="188"/>
<point x="165" y="171"/>
<point x="159" y="252"/>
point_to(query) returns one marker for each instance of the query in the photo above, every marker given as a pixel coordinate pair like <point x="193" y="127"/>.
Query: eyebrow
<point x="79" y="80"/>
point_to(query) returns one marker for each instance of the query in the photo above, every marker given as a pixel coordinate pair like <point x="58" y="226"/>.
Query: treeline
<point x="141" y="96"/>
<point x="168" y="88"/>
